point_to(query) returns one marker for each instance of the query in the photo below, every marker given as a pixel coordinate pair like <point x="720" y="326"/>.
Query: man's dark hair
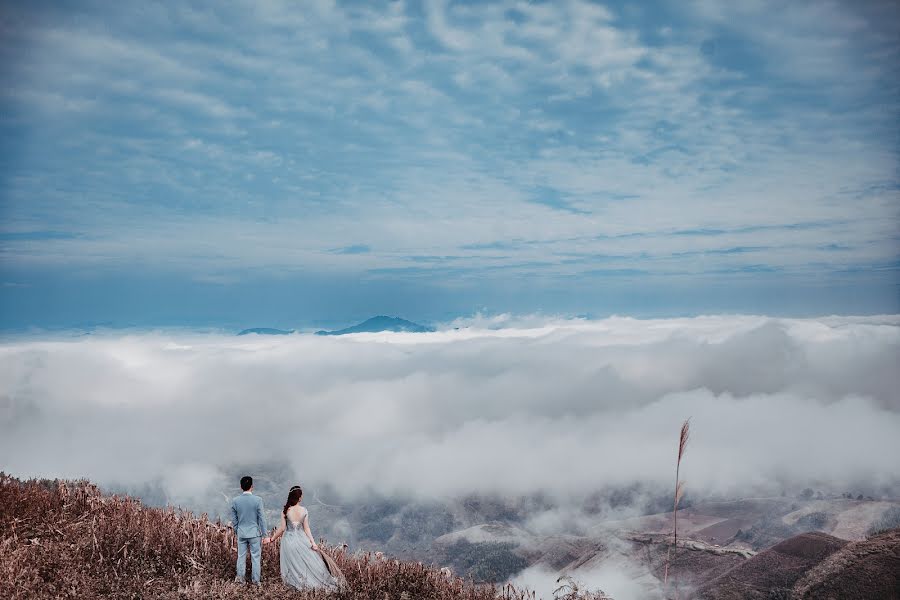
<point x="246" y="483"/>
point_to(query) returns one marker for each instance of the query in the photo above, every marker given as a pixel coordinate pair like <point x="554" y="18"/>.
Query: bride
<point x="302" y="563"/>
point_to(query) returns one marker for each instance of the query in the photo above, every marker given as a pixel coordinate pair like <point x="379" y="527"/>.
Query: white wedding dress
<point x="301" y="566"/>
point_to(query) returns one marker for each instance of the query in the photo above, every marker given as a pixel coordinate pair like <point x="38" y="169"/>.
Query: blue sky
<point x="294" y="164"/>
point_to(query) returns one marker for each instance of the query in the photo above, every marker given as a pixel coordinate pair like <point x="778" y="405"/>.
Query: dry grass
<point x="570" y="590"/>
<point x="66" y="540"/>
<point x="683" y="438"/>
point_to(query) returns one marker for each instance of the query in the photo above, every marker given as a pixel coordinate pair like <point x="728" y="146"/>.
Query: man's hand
<point x="267" y="540"/>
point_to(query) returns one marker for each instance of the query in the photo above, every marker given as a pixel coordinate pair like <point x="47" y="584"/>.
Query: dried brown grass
<point x="683" y="438"/>
<point x="62" y="539"/>
<point x="569" y="589"/>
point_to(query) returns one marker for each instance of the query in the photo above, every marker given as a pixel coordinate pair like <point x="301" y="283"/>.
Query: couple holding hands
<point x="303" y="564"/>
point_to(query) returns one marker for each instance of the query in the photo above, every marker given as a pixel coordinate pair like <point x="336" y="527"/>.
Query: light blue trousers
<point x="255" y="554"/>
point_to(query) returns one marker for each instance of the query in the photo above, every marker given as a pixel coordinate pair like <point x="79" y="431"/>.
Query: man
<point x="249" y="524"/>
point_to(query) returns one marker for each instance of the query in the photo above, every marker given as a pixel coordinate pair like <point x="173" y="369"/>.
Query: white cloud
<point x="453" y="38"/>
<point x="808" y="42"/>
<point x="202" y="103"/>
<point x="619" y="576"/>
<point x="564" y="407"/>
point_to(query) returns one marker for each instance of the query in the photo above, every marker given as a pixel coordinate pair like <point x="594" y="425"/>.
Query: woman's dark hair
<point x="293" y="498"/>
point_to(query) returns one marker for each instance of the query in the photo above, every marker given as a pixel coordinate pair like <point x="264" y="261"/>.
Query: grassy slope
<point x="776" y="568"/>
<point x="815" y="566"/>
<point x="65" y="539"/>
<point x="864" y="570"/>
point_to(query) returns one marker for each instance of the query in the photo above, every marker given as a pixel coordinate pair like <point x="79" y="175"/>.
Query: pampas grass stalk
<point x="679" y="492"/>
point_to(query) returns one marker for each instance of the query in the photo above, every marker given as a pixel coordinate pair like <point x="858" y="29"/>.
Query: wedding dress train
<point x="301" y="566"/>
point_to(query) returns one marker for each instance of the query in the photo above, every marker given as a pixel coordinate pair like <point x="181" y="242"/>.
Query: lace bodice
<point x="295" y="526"/>
<point x="292" y="527"/>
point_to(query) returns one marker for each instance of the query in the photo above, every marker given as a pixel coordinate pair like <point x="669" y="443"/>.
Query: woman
<point x="302" y="563"/>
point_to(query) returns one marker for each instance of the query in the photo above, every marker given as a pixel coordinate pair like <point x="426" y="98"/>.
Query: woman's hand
<point x="314" y="547"/>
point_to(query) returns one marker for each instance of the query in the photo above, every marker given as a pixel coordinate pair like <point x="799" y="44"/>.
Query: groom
<point x="249" y="524"/>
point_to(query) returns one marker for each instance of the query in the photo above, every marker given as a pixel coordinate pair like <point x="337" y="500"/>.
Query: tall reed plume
<point x="679" y="492"/>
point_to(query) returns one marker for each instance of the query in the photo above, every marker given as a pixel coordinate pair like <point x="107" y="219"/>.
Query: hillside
<point x="66" y="540"/>
<point x="774" y="570"/>
<point x="490" y="538"/>
<point x="815" y="566"/>
<point x="864" y="570"/>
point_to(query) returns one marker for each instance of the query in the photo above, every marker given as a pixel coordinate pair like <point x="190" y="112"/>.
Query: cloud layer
<point x="566" y="407"/>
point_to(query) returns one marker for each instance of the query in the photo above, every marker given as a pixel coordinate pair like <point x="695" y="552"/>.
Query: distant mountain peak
<point x="266" y="331"/>
<point x="380" y="323"/>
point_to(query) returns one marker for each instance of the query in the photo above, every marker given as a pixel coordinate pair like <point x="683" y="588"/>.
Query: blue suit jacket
<point x="247" y="516"/>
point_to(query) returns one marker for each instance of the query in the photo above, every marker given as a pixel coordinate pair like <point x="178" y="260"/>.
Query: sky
<point x="284" y="164"/>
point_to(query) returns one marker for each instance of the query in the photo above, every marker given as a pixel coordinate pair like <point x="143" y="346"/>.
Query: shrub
<point x="425" y="521"/>
<point x="378" y="509"/>
<point x="569" y="589"/>
<point x="814" y="521"/>
<point x="486" y="561"/>
<point x="889" y="519"/>
<point x="377" y="531"/>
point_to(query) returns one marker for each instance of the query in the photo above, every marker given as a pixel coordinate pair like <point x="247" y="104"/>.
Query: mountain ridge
<point x="378" y="324"/>
<point x="266" y="331"/>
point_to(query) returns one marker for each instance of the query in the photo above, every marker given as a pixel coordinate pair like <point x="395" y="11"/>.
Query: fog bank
<point x="496" y="406"/>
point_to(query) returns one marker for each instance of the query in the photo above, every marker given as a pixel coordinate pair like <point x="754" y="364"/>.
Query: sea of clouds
<point x="497" y="405"/>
